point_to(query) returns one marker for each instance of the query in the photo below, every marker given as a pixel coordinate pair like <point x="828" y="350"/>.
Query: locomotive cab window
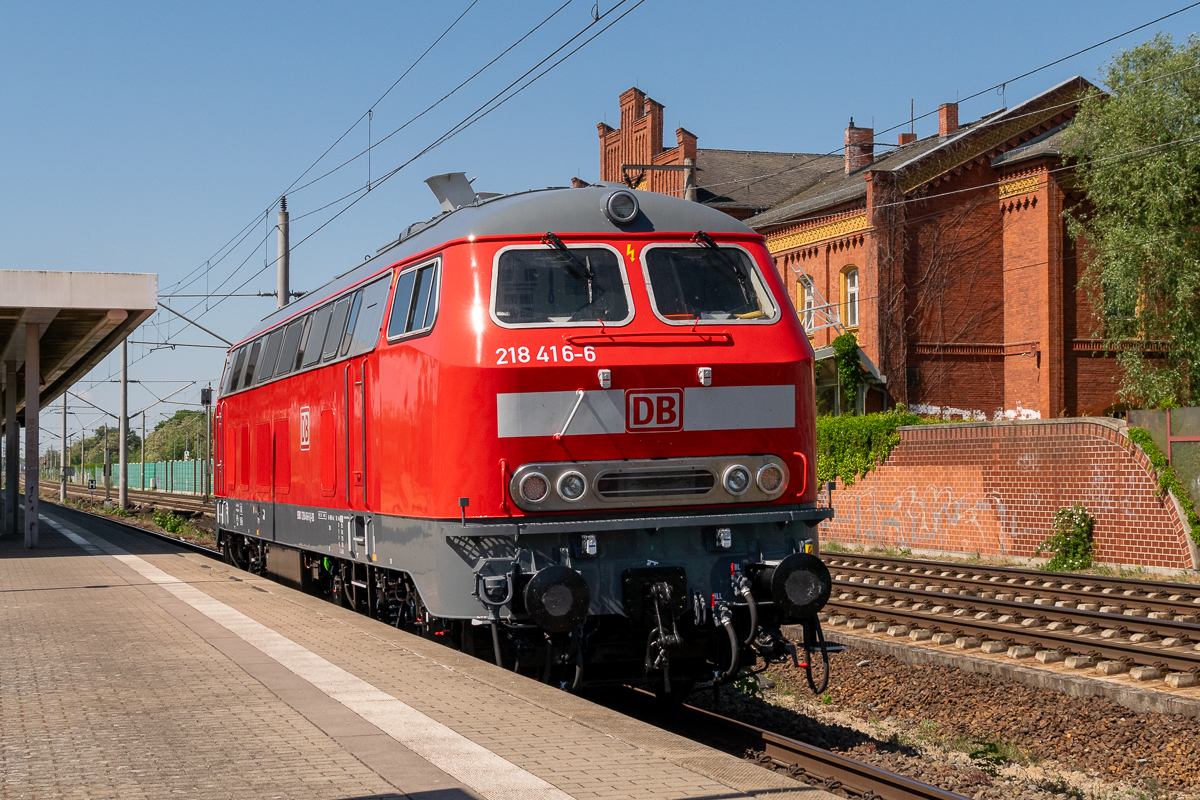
<point x="416" y="302"/>
<point x="714" y="285"/>
<point x="552" y="286"/>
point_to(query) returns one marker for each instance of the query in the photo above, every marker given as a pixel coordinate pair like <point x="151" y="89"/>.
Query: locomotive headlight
<point x="737" y="479"/>
<point x="770" y="479"/>
<point x="535" y="487"/>
<point x="571" y="486"/>
<point x="621" y="207"/>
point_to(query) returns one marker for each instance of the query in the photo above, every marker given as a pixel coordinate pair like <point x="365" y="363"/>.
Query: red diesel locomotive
<point x="571" y="430"/>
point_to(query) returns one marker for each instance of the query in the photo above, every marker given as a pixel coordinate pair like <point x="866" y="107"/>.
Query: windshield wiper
<point x="703" y="239"/>
<point x="572" y="261"/>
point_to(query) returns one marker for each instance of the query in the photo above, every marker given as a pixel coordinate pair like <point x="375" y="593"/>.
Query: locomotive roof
<point x="531" y="212"/>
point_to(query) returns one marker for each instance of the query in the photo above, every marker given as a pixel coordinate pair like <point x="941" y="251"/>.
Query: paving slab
<point x="133" y="669"/>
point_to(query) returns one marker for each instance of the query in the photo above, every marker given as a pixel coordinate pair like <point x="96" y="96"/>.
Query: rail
<point x="816" y="766"/>
<point x="191" y="504"/>
<point x="1015" y="576"/>
<point x="1102" y="618"/>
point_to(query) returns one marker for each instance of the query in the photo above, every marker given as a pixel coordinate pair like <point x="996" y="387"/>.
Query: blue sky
<point x="142" y="137"/>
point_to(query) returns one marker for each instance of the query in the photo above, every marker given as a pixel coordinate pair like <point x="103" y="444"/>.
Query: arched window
<point x="850" y="298"/>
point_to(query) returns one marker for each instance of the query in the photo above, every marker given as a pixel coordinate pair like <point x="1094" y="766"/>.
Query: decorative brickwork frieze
<point x="983" y="143"/>
<point x="777" y="243"/>
<point x="1020" y="186"/>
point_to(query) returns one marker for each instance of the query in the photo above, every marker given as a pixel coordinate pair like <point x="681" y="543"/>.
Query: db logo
<point x="655" y="409"/>
<point x="305" y="428"/>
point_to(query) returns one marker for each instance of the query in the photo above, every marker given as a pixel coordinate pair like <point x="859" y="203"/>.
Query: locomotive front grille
<point x="574" y="486"/>
<point x="655" y="483"/>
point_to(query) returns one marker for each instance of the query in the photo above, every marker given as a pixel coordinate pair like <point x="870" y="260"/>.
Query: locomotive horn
<point x="800" y="584"/>
<point x="557" y="598"/>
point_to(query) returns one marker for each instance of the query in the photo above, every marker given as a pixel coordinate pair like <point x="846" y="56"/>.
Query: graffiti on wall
<point x="931" y="519"/>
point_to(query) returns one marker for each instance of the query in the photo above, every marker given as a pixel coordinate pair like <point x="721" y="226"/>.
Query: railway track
<point x="190" y="504"/>
<point x="1146" y="628"/>
<point x="815" y="766"/>
<point x="1154" y="599"/>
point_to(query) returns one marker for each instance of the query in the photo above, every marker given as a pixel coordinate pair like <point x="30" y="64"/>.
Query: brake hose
<point x="813" y="635"/>
<point x="742" y="586"/>
<point x="724" y="618"/>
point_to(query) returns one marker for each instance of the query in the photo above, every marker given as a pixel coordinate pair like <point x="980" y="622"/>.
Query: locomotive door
<point x="357" y="416"/>
<point x="220" y="454"/>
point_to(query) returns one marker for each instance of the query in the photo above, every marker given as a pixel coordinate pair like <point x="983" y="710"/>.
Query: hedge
<point x="849" y="446"/>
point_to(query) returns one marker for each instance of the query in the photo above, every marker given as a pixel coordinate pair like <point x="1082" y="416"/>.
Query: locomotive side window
<point x="715" y="285"/>
<point x="270" y="355"/>
<point x="251" y="363"/>
<point x="236" y="371"/>
<point x="291" y="347"/>
<point x="337" y="324"/>
<point x="363" y="332"/>
<point x="348" y="336"/>
<point x="316" y="335"/>
<point x="415" y="306"/>
<point x="550" y="286"/>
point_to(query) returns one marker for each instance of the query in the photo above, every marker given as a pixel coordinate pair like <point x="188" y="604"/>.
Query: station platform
<point x="131" y="668"/>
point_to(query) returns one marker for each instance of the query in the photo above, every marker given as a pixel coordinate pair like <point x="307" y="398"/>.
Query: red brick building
<point x="947" y="256"/>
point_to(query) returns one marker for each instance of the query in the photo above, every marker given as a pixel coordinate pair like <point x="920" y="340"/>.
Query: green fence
<point x="185" y="477"/>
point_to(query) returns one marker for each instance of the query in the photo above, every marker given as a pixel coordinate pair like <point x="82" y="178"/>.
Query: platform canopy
<point x="81" y="318"/>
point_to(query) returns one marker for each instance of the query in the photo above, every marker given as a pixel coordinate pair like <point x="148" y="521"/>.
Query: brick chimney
<point x="947" y="118"/>
<point x="907" y="138"/>
<point x="860" y="147"/>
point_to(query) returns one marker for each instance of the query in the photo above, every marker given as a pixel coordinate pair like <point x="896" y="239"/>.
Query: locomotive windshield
<point x="550" y="286"/>
<point x="709" y="284"/>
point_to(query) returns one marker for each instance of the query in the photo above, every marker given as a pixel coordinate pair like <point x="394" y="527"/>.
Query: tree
<point x="176" y="435"/>
<point x="1138" y="154"/>
<point x="93" y="447"/>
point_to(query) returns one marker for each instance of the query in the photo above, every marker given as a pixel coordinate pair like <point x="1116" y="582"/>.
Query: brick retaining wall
<point x="992" y="488"/>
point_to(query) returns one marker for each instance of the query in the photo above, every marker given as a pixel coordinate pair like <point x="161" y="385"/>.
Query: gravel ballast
<point x="976" y="735"/>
